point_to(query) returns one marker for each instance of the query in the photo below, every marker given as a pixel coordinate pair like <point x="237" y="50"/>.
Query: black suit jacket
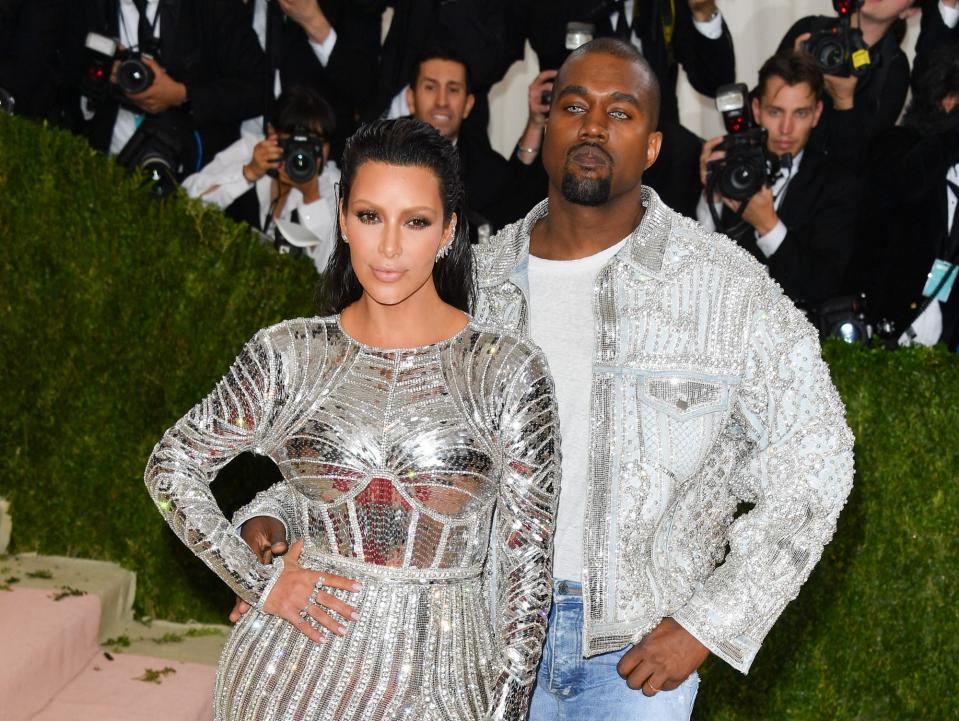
<point x="209" y="46"/>
<point x="819" y="211"/>
<point x="708" y="63"/>
<point x="903" y="222"/>
<point x="933" y="34"/>
<point x="351" y="72"/>
<point x="879" y="97"/>
<point x="31" y="36"/>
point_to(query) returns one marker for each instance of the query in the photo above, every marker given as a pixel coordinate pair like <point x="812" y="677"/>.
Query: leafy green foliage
<point x="117" y="313"/>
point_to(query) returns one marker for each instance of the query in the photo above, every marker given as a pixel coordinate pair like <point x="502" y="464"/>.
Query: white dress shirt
<point x="950" y="15"/>
<point x="770" y="242"/>
<point x="128" y="122"/>
<point x="221" y="182"/>
<point x="254" y="126"/>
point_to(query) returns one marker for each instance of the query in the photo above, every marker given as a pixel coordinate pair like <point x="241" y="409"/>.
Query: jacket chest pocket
<point x="680" y="417"/>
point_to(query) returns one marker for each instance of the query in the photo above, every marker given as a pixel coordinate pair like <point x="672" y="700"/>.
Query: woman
<point x="400" y="425"/>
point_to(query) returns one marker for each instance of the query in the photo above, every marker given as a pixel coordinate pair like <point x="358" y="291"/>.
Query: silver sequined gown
<point x="428" y="474"/>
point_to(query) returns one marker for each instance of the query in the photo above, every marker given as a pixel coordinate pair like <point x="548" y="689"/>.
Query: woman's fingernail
<point x="341" y="630"/>
<point x="355" y="616"/>
<point x="357" y="586"/>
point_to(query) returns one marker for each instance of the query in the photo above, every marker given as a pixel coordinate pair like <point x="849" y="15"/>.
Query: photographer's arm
<point x="939" y="26"/>
<point x="704" y="47"/>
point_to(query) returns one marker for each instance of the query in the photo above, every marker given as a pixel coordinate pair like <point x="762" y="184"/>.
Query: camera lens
<point x="134" y="76"/>
<point x="831" y="56"/>
<point x="301" y="166"/>
<point x="742" y="179"/>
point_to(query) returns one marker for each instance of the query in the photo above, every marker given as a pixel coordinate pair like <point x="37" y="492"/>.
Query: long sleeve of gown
<point x="523" y="532"/>
<point x="229" y="421"/>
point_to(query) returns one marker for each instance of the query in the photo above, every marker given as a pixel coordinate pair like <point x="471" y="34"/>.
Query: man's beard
<point x="585" y="191"/>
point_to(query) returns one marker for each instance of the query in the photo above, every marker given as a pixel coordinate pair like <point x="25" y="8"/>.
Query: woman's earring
<point x="445" y="249"/>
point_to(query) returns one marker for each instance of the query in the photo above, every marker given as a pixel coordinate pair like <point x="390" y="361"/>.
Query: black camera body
<point x="748" y="165"/>
<point x="302" y="155"/>
<point x="133" y="74"/>
<point x="838" y="47"/>
<point x="162" y="147"/>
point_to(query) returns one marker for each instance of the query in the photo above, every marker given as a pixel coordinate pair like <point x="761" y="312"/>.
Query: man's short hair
<point x="794" y="67"/>
<point x="440" y="53"/>
<point x="302" y="107"/>
<point x="626" y="51"/>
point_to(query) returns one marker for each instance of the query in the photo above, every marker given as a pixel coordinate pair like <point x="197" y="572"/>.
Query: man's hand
<point x="841" y="90"/>
<point x="538" y="110"/>
<point x="266" y="156"/>
<point x="163" y="94"/>
<point x="703" y="10"/>
<point x="662" y="660"/>
<point x="293" y="590"/>
<point x="708" y="154"/>
<point x="266" y="536"/>
<point x="308" y="15"/>
<point x="760" y="211"/>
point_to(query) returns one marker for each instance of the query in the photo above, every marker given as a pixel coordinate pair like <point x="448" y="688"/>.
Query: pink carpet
<point x="43" y="645"/>
<point x="108" y="691"/>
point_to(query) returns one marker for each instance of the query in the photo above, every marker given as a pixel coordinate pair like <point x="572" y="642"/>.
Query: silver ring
<point x="317" y="587"/>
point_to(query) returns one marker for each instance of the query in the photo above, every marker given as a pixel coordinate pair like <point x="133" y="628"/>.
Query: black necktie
<point x="144" y="28"/>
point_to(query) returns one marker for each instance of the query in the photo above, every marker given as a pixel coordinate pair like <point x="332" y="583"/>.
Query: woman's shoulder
<point x="299" y="331"/>
<point x="486" y="342"/>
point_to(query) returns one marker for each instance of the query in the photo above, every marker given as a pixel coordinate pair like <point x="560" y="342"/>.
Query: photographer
<point x="498" y="191"/>
<point x="856" y="109"/>
<point x="251" y="180"/>
<point x="909" y="229"/>
<point x="330" y="45"/>
<point x="204" y="75"/>
<point x="801" y="223"/>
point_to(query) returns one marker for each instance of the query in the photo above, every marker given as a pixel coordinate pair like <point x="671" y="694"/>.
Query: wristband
<point x="278" y="565"/>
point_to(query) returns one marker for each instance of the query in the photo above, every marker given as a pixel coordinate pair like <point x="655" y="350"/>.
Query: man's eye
<point x="575" y="109"/>
<point x="367" y="216"/>
<point x="619" y="114"/>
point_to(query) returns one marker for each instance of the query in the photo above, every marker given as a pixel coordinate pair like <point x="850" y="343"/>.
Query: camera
<point x="748" y="166"/>
<point x="302" y="155"/>
<point x="133" y="74"/>
<point x="161" y="147"/>
<point x="838" y="47"/>
<point x="7" y="102"/>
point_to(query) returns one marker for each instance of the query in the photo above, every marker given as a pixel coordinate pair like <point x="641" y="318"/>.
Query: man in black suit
<point x="209" y="73"/>
<point x="803" y="226"/>
<point x="669" y="33"/>
<point x="909" y="224"/>
<point x="939" y="26"/>
<point x="331" y="46"/>
<point x="441" y="94"/>
<point x="858" y="109"/>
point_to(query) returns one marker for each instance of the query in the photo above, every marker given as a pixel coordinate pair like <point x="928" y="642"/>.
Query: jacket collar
<point x="645" y="247"/>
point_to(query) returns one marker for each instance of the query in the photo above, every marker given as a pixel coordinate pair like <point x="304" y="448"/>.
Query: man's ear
<point x="470" y="102"/>
<point x="818" y="114"/>
<point x="756" y="106"/>
<point x="410" y="100"/>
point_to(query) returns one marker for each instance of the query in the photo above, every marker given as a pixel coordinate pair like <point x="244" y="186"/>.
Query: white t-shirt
<point x="561" y="323"/>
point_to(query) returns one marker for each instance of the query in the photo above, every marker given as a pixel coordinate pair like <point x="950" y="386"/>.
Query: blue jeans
<point x="571" y="688"/>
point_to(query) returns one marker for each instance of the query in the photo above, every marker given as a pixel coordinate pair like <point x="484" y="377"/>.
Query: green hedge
<point x="119" y="312"/>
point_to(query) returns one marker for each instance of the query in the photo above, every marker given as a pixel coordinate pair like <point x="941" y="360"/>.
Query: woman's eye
<point x="418" y="222"/>
<point x="367" y="216"/>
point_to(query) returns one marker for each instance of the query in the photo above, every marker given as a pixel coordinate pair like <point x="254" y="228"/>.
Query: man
<point x="686" y="384"/>
<point x="209" y="73"/>
<point x="331" y="46"/>
<point x="440" y="94"/>
<point x="909" y="227"/>
<point x="250" y="182"/>
<point x="803" y="225"/>
<point x="857" y="109"/>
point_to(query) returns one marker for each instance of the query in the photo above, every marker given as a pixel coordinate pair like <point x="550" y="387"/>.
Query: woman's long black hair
<point x="409" y="143"/>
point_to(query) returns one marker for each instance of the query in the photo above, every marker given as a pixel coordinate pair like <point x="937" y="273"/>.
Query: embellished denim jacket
<point x="708" y="395"/>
